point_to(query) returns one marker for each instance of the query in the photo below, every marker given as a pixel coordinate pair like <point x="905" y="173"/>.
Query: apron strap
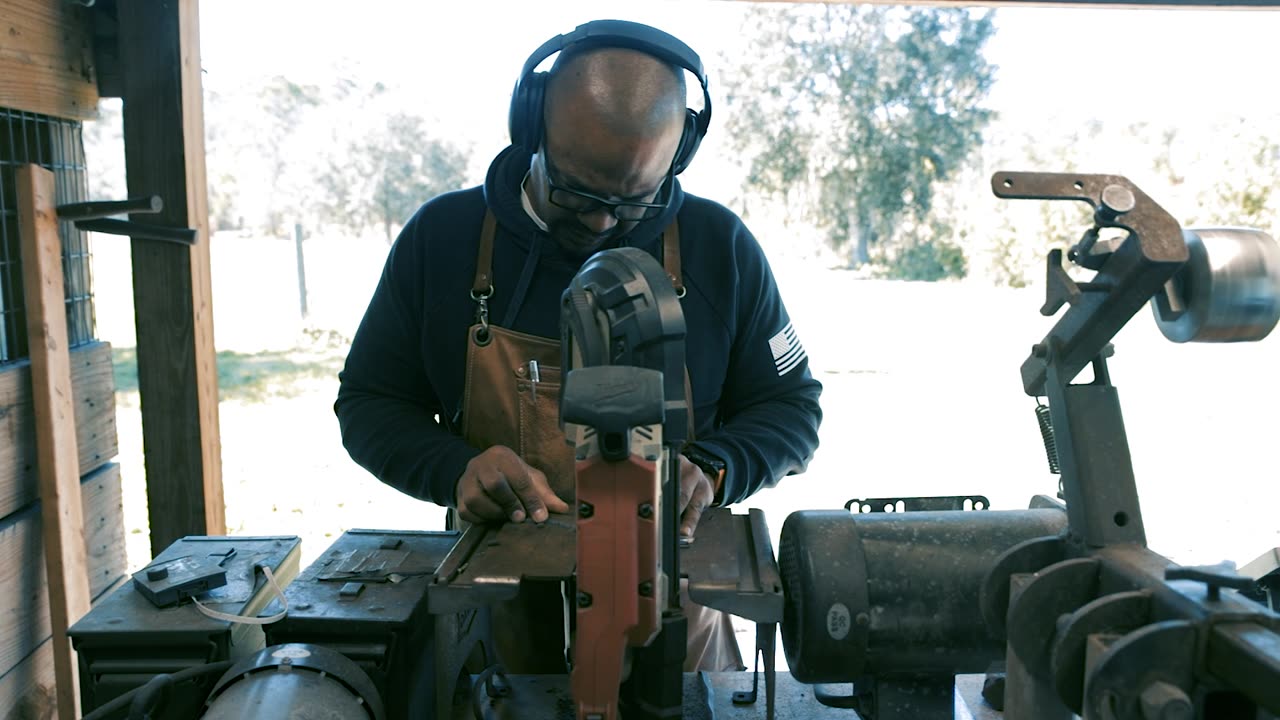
<point x="671" y="256"/>
<point x="483" y="285"/>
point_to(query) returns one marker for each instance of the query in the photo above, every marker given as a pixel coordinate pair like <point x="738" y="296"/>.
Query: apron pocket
<point x="542" y="442"/>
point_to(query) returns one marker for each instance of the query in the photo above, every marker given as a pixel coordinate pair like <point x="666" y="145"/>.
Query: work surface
<point x="707" y="696"/>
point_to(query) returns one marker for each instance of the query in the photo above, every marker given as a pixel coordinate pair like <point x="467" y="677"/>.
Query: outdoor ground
<point x="922" y="397"/>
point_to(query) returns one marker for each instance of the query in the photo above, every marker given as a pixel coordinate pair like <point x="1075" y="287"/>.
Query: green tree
<point x="383" y="178"/>
<point x="1245" y="186"/>
<point x="857" y="112"/>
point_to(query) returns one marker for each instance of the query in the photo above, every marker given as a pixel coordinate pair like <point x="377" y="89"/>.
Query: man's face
<point x="580" y="165"/>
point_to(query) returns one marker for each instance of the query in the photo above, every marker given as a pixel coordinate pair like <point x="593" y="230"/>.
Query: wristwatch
<point x="713" y="466"/>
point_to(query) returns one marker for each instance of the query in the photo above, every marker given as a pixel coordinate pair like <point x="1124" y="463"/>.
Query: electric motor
<point x="295" y="682"/>
<point x="875" y="593"/>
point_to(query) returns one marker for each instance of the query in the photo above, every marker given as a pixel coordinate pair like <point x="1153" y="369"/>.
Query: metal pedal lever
<point x="766" y="646"/>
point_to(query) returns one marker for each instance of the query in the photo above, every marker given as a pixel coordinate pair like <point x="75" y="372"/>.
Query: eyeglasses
<point x="583" y="203"/>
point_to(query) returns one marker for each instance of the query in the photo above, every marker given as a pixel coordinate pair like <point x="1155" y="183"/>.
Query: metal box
<point x="366" y="597"/>
<point x="125" y="640"/>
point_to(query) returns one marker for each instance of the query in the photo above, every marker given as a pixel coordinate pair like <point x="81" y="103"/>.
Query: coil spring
<point x="1046" y="432"/>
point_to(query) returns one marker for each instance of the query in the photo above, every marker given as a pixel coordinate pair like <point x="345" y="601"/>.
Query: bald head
<point x="613" y="121"/>
<point x="626" y="92"/>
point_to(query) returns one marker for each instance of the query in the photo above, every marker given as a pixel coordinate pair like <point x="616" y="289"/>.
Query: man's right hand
<point x="497" y="485"/>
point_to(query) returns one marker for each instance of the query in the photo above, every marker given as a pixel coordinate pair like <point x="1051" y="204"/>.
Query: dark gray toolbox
<point x="366" y="597"/>
<point x="126" y="640"/>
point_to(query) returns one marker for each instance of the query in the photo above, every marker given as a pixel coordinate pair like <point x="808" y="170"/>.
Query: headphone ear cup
<point x="524" y="121"/>
<point x="689" y="141"/>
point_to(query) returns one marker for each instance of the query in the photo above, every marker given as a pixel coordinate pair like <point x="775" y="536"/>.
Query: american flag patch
<point x="787" y="350"/>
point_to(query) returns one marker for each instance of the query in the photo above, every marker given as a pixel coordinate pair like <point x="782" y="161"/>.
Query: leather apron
<point x="503" y="404"/>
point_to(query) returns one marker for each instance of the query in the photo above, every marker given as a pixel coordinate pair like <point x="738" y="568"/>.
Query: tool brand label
<point x="838" y="621"/>
<point x="293" y="652"/>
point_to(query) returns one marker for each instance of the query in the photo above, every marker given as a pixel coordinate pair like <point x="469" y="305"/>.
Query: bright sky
<point x="465" y="55"/>
<point x="461" y="58"/>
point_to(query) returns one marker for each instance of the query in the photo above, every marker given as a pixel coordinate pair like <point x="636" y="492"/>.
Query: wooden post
<point x="173" y="301"/>
<point x="302" y="270"/>
<point x="58" y="458"/>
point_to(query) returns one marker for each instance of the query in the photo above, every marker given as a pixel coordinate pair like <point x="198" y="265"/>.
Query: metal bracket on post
<point x="95" y="216"/>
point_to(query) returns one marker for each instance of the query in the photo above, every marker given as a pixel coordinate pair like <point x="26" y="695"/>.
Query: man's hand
<point x="697" y="492"/>
<point x="497" y="485"/>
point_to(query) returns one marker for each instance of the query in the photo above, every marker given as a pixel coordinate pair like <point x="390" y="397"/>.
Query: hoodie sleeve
<point x="769" y="408"/>
<point x="388" y="412"/>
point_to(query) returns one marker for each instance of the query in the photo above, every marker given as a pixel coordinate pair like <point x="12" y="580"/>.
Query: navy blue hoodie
<point x="755" y="401"/>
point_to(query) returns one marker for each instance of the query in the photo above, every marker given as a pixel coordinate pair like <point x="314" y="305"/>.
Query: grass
<point x="246" y="377"/>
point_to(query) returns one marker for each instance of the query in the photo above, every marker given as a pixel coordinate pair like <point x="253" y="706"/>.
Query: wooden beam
<point x="24" y="595"/>
<point x="93" y="394"/>
<point x="177" y="366"/>
<point x="58" y="461"/>
<point x="46" y="59"/>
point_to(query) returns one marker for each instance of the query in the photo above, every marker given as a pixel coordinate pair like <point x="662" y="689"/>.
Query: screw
<point x="586" y="510"/>
<point x="646" y="588"/>
<point x="646" y="511"/>
<point x="584" y="600"/>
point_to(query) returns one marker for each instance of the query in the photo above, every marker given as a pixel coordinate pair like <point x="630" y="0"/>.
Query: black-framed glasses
<point x="583" y="203"/>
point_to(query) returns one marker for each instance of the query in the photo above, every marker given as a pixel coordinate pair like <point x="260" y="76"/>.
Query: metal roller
<point x="1228" y="290"/>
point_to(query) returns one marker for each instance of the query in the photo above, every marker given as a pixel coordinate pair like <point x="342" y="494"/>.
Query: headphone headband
<point x="620" y="33"/>
<point x="525" y="119"/>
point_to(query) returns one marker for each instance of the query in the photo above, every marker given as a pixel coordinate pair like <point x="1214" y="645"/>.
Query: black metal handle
<point x="96" y="209"/>
<point x="182" y="236"/>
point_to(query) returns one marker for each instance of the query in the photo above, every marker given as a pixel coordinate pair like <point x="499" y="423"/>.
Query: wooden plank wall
<point x="46" y="58"/>
<point x="93" y="391"/>
<point x="26" y="665"/>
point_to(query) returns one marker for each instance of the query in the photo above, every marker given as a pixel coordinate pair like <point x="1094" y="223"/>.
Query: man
<point x="449" y="391"/>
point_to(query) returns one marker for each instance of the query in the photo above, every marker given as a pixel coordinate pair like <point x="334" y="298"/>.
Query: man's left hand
<point x="697" y="492"/>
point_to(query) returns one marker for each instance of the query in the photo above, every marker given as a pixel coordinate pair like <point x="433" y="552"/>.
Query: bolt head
<point x="1162" y="701"/>
<point x="1118" y="199"/>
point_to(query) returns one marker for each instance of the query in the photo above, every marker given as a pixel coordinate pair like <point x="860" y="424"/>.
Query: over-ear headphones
<point x="525" y="119"/>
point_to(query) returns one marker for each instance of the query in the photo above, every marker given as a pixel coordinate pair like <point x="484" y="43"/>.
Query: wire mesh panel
<point x="57" y="145"/>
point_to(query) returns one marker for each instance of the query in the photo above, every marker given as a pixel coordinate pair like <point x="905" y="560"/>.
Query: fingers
<point x="498" y="485"/>
<point x="525" y="491"/>
<point x="700" y="500"/>
<point x="700" y="494"/>
<point x="549" y="497"/>
<point x="690" y="475"/>
<point x="482" y="506"/>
